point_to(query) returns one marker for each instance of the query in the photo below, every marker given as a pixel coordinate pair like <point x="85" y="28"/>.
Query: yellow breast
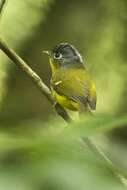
<point x="65" y="102"/>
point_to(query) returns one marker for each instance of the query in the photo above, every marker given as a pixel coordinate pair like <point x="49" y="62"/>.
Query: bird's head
<point x="64" y="55"/>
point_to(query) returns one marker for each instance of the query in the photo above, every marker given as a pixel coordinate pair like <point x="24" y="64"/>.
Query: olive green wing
<point x="75" y="85"/>
<point x="92" y="97"/>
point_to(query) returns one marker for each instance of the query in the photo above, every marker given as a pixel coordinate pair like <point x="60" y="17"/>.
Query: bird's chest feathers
<point x="57" y="82"/>
<point x="65" y="101"/>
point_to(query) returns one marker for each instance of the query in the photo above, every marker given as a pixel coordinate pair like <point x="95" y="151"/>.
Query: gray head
<point x="66" y="54"/>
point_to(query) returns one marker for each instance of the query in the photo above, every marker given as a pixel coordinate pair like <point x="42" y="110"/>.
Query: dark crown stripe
<point x="59" y="47"/>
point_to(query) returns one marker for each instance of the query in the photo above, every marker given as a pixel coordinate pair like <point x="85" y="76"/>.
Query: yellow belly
<point x="65" y="102"/>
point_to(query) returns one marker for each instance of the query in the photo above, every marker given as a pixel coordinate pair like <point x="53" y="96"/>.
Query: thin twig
<point x="2" y="3"/>
<point x="99" y="152"/>
<point x="34" y="77"/>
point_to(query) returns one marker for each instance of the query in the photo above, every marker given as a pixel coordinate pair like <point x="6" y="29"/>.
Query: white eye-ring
<point x="57" y="55"/>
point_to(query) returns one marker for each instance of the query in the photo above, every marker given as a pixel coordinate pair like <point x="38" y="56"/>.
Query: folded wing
<point x="76" y="86"/>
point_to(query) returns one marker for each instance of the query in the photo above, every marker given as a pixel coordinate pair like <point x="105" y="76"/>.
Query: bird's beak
<point x="46" y="52"/>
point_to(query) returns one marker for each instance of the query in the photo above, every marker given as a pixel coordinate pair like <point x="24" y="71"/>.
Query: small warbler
<point x="71" y="85"/>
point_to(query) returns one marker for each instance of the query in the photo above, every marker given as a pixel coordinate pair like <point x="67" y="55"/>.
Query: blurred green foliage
<point x="55" y="159"/>
<point x="38" y="150"/>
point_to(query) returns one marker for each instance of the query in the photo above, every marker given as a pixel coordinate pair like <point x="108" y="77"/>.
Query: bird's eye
<point x="57" y="55"/>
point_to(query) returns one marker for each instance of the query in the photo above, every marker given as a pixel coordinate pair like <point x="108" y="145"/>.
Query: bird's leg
<point x="54" y="104"/>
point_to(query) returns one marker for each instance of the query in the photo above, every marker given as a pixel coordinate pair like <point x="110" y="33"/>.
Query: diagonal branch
<point x="34" y="77"/>
<point x="2" y="3"/>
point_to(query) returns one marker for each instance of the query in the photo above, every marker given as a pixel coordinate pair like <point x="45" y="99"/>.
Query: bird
<point x="71" y="84"/>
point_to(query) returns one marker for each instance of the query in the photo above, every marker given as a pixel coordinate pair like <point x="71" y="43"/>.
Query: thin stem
<point x="2" y="3"/>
